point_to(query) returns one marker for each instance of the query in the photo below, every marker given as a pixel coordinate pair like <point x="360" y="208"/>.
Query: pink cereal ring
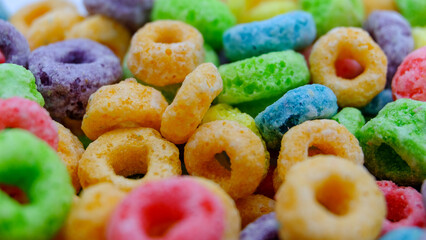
<point x="18" y="112"/>
<point x="405" y="207"/>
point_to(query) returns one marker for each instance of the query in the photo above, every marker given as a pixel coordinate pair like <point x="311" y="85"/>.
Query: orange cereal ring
<point x="126" y="104"/>
<point x="317" y="137"/>
<point x="238" y="143"/>
<point x="70" y="151"/>
<point x="349" y="43"/>
<point x="326" y="197"/>
<point x="191" y="102"/>
<point x="164" y="52"/>
<point x="103" y="30"/>
<point x="125" y="153"/>
<point x="253" y="207"/>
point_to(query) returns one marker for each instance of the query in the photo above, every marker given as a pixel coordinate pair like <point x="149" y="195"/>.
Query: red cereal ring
<point x="22" y="113"/>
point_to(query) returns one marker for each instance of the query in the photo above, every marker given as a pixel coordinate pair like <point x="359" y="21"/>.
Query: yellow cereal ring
<point x="191" y="102"/>
<point x="257" y="10"/>
<point x="126" y="152"/>
<point x="70" y="151"/>
<point x="253" y="207"/>
<point x="374" y="5"/>
<point x="326" y="197"/>
<point x="246" y="155"/>
<point x="105" y="31"/>
<point x="317" y="137"/>
<point x="126" y="104"/>
<point x="352" y="43"/>
<point x="164" y="52"/>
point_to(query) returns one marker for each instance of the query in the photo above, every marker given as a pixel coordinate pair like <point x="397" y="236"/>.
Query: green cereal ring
<point x="16" y="81"/>
<point x="414" y="11"/>
<point x="394" y="142"/>
<point x="351" y="118"/>
<point x="211" y="17"/>
<point x="329" y="14"/>
<point x="263" y="77"/>
<point x="31" y="165"/>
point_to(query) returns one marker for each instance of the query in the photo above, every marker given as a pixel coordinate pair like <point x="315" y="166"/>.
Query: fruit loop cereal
<point x="264" y="228"/>
<point x="249" y="11"/>
<point x="351" y="118"/>
<point x="14" y="47"/>
<point x="374" y="5"/>
<point x="253" y="207"/>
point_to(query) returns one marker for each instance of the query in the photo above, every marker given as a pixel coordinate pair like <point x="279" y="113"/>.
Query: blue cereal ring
<point x="295" y="30"/>
<point x="405" y="233"/>
<point x="295" y="107"/>
<point x="378" y="103"/>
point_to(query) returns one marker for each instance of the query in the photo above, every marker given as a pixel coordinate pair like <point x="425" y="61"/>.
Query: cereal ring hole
<point x="2" y="57"/>
<point x="129" y="161"/>
<point x="396" y="203"/>
<point x="317" y="150"/>
<point x="218" y="167"/>
<point x="167" y="35"/>
<point x="387" y="158"/>
<point x="223" y="160"/>
<point x="160" y="217"/>
<point x="15" y="193"/>
<point x="77" y="57"/>
<point x="335" y="194"/>
<point x="347" y="65"/>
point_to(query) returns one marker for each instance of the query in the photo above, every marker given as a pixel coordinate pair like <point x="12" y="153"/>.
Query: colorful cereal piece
<point x="254" y="206"/>
<point x="413" y="11"/>
<point x="405" y="233"/>
<point x="249" y="11"/>
<point x="210" y="55"/>
<point x="419" y="35"/>
<point x="296" y="106"/>
<point x="264" y="228"/>
<point x="164" y="52"/>
<point x="354" y="43"/>
<point x="378" y="103"/>
<point x="192" y="101"/>
<point x="126" y="104"/>
<point x="351" y="118"/>
<point x="374" y="5"/>
<point x="393" y="142"/>
<point x="13" y="46"/>
<point x="337" y="194"/>
<point x="243" y="148"/>
<point x="295" y="30"/>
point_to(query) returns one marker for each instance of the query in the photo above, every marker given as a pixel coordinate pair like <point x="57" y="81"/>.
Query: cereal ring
<point x="254" y="206"/>
<point x="68" y="72"/>
<point x="374" y="5"/>
<point x="13" y="45"/>
<point x="296" y="106"/>
<point x="413" y="11"/>
<point x="378" y="103"/>
<point x="337" y="194"/>
<point x="164" y="52"/>
<point x="246" y="155"/>
<point x="393" y="34"/>
<point x="405" y="233"/>
<point x="126" y="104"/>
<point x="16" y="81"/>
<point x="192" y="101"/>
<point x="393" y="142"/>
<point x="295" y="30"/>
<point x="419" y="35"/>
<point x="37" y="170"/>
<point x="351" y="118"/>
<point x="70" y="151"/>
<point x="22" y="113"/>
<point x="355" y="44"/>
<point x="126" y="152"/>
<point x="102" y="30"/>
<point x="177" y="208"/>
<point x="410" y="79"/>
<point x="405" y="207"/>
<point x="250" y="11"/>
<point x="264" y="228"/>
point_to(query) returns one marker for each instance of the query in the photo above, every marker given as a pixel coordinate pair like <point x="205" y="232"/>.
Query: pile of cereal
<point x="213" y="119"/>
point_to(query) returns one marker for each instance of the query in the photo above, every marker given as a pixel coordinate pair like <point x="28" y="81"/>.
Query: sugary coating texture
<point x="419" y="35"/>
<point x="243" y="148"/>
<point x="102" y="30"/>
<point x="410" y="79"/>
<point x="337" y="194"/>
<point x="70" y="150"/>
<point x="91" y="212"/>
<point x="126" y="152"/>
<point x="295" y="30"/>
<point x="296" y="106"/>
<point x="258" y="78"/>
<point x="192" y="101"/>
<point x="122" y="105"/>
<point x="131" y="13"/>
<point x="329" y="14"/>
<point x="13" y="45"/>
<point x="264" y="228"/>
<point x="254" y="206"/>
<point x="22" y="113"/>
<point x="405" y="233"/>
<point x="413" y="11"/>
<point x="405" y="207"/>
<point x="211" y="17"/>
<point x="374" y="5"/>
<point x="68" y="72"/>
<point x="164" y="52"/>
<point x="37" y="170"/>
<point x="249" y="10"/>
<point x="317" y="137"/>
<point x="351" y="118"/>
<point x="16" y="81"/>
<point x="393" y="142"/>
<point x="210" y="55"/>
<point x="177" y="208"/>
<point x="378" y="103"/>
<point x="393" y="34"/>
<point x="353" y="43"/>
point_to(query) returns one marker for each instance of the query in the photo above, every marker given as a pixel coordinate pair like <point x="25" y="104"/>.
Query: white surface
<point x="14" y="5"/>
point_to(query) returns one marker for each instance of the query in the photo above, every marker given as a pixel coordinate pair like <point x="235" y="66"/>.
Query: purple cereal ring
<point x="13" y="44"/>
<point x="68" y="72"/>
<point x="393" y="34"/>
<point x="264" y="228"/>
<point x="131" y="13"/>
